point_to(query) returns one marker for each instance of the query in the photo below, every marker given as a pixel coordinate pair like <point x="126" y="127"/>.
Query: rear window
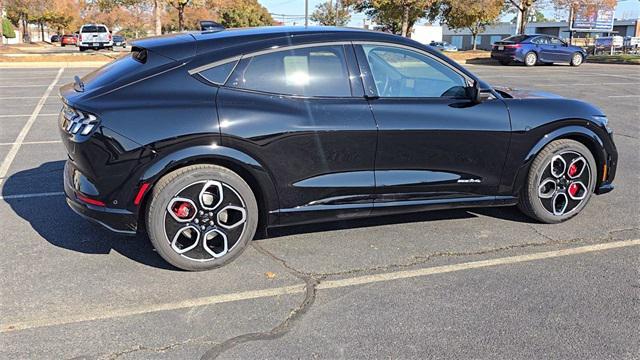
<point x="516" y="38"/>
<point x="93" y="29"/>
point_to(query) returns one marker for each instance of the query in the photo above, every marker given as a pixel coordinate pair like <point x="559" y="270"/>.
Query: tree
<point x="243" y="13"/>
<point x="2" y="26"/>
<point x="396" y="16"/>
<point x="157" y="17"/>
<point x="180" y="5"/>
<point x="475" y="16"/>
<point x="326" y="14"/>
<point x="522" y="8"/>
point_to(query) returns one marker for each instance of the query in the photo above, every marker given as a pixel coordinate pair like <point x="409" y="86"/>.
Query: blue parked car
<point x="537" y="49"/>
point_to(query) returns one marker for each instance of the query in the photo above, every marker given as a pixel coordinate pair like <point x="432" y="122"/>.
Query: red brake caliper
<point x="182" y="210"/>
<point x="573" y="169"/>
<point x="573" y="188"/>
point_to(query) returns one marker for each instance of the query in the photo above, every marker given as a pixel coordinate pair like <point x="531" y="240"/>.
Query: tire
<point x="547" y="187"/>
<point x="223" y="207"/>
<point x="82" y="48"/>
<point x="576" y="59"/>
<point x="530" y="59"/>
<point x="62" y="45"/>
<point x="505" y="62"/>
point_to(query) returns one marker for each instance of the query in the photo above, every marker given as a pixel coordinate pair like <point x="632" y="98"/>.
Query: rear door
<point x="434" y="144"/>
<point x="301" y="111"/>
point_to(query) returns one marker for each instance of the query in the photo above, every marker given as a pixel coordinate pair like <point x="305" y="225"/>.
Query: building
<point x="427" y="33"/>
<point x="463" y="40"/>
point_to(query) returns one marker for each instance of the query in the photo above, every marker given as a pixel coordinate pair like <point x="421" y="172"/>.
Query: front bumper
<point x="120" y="221"/>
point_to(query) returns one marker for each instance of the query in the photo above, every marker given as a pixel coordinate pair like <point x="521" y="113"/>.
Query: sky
<point x="625" y="8"/>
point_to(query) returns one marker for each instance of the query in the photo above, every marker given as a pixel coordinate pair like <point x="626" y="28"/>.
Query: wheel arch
<point x="248" y="168"/>
<point x="583" y="135"/>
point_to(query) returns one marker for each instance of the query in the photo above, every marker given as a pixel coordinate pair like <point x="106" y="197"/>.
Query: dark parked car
<point x="119" y="40"/>
<point x="68" y="39"/>
<point x="200" y="139"/>
<point x="55" y="38"/>
<point x="537" y="49"/>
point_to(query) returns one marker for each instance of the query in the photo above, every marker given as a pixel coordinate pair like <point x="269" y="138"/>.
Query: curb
<point x="51" y="64"/>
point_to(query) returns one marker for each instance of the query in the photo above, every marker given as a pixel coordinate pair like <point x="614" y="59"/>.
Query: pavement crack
<point x="159" y="349"/>
<point x="311" y="283"/>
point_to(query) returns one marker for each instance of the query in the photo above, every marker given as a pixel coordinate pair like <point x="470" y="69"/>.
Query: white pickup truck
<point x="94" y="36"/>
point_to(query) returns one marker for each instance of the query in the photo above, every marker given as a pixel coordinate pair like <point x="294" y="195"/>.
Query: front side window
<point x="555" y="41"/>
<point x="313" y="71"/>
<point x="398" y="72"/>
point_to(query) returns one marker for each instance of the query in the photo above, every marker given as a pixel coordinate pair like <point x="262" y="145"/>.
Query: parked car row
<point x="91" y="36"/>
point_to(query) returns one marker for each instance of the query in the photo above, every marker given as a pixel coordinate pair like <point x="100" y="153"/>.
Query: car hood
<point x="525" y="93"/>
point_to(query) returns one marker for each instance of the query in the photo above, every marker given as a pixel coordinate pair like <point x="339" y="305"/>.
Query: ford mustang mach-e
<point x="199" y="139"/>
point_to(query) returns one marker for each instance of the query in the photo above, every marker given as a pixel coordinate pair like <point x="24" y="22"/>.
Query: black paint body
<point x="307" y="159"/>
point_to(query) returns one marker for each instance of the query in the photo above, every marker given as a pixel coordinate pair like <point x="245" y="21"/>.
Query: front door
<point x="434" y="144"/>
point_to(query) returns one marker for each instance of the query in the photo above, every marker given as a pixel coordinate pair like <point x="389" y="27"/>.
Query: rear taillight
<point x="109" y="37"/>
<point x="514" y="46"/>
<point x="78" y="122"/>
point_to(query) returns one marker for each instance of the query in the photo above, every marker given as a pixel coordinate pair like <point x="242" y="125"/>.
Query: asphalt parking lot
<point x="482" y="283"/>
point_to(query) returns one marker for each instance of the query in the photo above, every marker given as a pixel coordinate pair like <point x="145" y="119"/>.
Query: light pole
<point x="306" y="13"/>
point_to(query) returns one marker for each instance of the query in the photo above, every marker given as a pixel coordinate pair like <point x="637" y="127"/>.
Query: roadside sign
<point x="590" y="18"/>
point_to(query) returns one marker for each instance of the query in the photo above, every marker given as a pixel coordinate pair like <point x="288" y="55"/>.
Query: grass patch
<point x="615" y="59"/>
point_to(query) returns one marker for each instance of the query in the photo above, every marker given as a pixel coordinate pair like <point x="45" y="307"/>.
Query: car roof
<point x="214" y="38"/>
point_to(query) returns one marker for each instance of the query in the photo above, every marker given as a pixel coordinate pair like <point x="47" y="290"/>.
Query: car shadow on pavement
<point x="505" y="213"/>
<point x="54" y="221"/>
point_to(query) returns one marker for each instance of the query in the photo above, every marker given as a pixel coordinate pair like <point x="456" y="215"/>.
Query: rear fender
<point x="246" y="166"/>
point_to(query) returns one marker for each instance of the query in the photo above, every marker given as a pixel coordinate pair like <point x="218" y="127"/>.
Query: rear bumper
<point x="93" y="45"/>
<point x="120" y="221"/>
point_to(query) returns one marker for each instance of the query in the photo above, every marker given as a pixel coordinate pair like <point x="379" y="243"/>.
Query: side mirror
<point x="477" y="94"/>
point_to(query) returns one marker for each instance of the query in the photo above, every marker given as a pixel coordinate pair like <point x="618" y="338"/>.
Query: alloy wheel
<point x="564" y="183"/>
<point x="577" y="59"/>
<point x="531" y="59"/>
<point x="205" y="220"/>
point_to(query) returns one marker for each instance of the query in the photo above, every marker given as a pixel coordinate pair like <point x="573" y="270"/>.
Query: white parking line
<point x="590" y="84"/>
<point x="26" y="196"/>
<point x="19" y="97"/>
<point x="22" y="86"/>
<point x="105" y="313"/>
<point x="34" y="142"/>
<point x="623" y="96"/>
<point x="6" y="163"/>
<point x="24" y="115"/>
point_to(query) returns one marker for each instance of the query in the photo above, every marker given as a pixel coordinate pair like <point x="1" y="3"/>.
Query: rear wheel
<point x="201" y="217"/>
<point x="576" y="59"/>
<point x="560" y="182"/>
<point x="530" y="59"/>
<point x="82" y="48"/>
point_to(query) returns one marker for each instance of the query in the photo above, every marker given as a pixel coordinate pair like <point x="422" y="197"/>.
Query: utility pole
<point x="306" y="13"/>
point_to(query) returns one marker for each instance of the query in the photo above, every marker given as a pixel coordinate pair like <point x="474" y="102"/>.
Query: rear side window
<point x="219" y="74"/>
<point x="312" y="71"/>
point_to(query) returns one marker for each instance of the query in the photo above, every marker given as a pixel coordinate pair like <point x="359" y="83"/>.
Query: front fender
<point x="253" y="172"/>
<point x="512" y="183"/>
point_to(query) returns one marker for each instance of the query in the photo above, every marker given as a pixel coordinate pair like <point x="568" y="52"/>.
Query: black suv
<point x="202" y="138"/>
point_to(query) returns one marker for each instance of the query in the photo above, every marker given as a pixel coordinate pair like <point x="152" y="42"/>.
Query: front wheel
<point x="577" y="59"/>
<point x="201" y="217"/>
<point x="561" y="180"/>
<point x="530" y="59"/>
